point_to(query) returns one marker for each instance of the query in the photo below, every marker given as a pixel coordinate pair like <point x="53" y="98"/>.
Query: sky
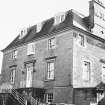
<point x="17" y="14"/>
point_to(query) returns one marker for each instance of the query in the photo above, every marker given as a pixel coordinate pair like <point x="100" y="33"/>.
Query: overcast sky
<point x="17" y="14"/>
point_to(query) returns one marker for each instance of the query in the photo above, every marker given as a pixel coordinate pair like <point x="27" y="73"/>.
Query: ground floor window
<point x="100" y="96"/>
<point x="49" y="97"/>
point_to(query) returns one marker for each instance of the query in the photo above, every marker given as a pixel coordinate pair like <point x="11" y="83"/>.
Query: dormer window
<point x="23" y="33"/>
<point x="60" y="17"/>
<point x="39" y="27"/>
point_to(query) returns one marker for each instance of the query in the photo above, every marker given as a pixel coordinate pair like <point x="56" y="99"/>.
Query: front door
<point x="29" y="69"/>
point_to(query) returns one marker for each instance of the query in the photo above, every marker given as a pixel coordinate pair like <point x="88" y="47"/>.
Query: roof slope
<point x="47" y="29"/>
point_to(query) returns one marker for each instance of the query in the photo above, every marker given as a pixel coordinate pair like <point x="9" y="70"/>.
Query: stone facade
<point x="62" y="83"/>
<point x="76" y="50"/>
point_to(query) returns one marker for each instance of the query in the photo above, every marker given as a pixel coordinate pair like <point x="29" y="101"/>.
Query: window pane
<point x="48" y="67"/>
<point x="38" y="27"/>
<point x="14" y="54"/>
<point x="52" y="66"/>
<point x="86" y="70"/>
<point x="31" y="48"/>
<point x="12" y="76"/>
<point x="50" y="71"/>
<point x="51" y="43"/>
<point x="81" y="37"/>
<point x="49" y="97"/>
<point x="48" y="74"/>
<point x="52" y="75"/>
<point x="60" y="17"/>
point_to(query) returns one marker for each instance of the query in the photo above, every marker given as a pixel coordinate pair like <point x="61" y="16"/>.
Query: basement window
<point x="49" y="97"/>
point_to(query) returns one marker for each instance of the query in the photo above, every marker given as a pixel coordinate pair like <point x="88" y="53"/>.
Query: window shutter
<point x="31" y="48"/>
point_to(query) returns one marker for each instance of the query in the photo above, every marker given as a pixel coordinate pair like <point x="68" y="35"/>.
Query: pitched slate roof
<point x="47" y="28"/>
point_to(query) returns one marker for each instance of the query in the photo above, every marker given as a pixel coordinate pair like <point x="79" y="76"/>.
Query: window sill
<point x="48" y="80"/>
<point x="30" y="55"/>
<point x="12" y="83"/>
<point x="86" y="81"/>
<point x="14" y="59"/>
<point x="52" y="48"/>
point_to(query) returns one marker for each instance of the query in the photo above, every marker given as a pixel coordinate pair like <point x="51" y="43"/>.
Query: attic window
<point x="60" y="17"/>
<point x="39" y="27"/>
<point x="23" y="33"/>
